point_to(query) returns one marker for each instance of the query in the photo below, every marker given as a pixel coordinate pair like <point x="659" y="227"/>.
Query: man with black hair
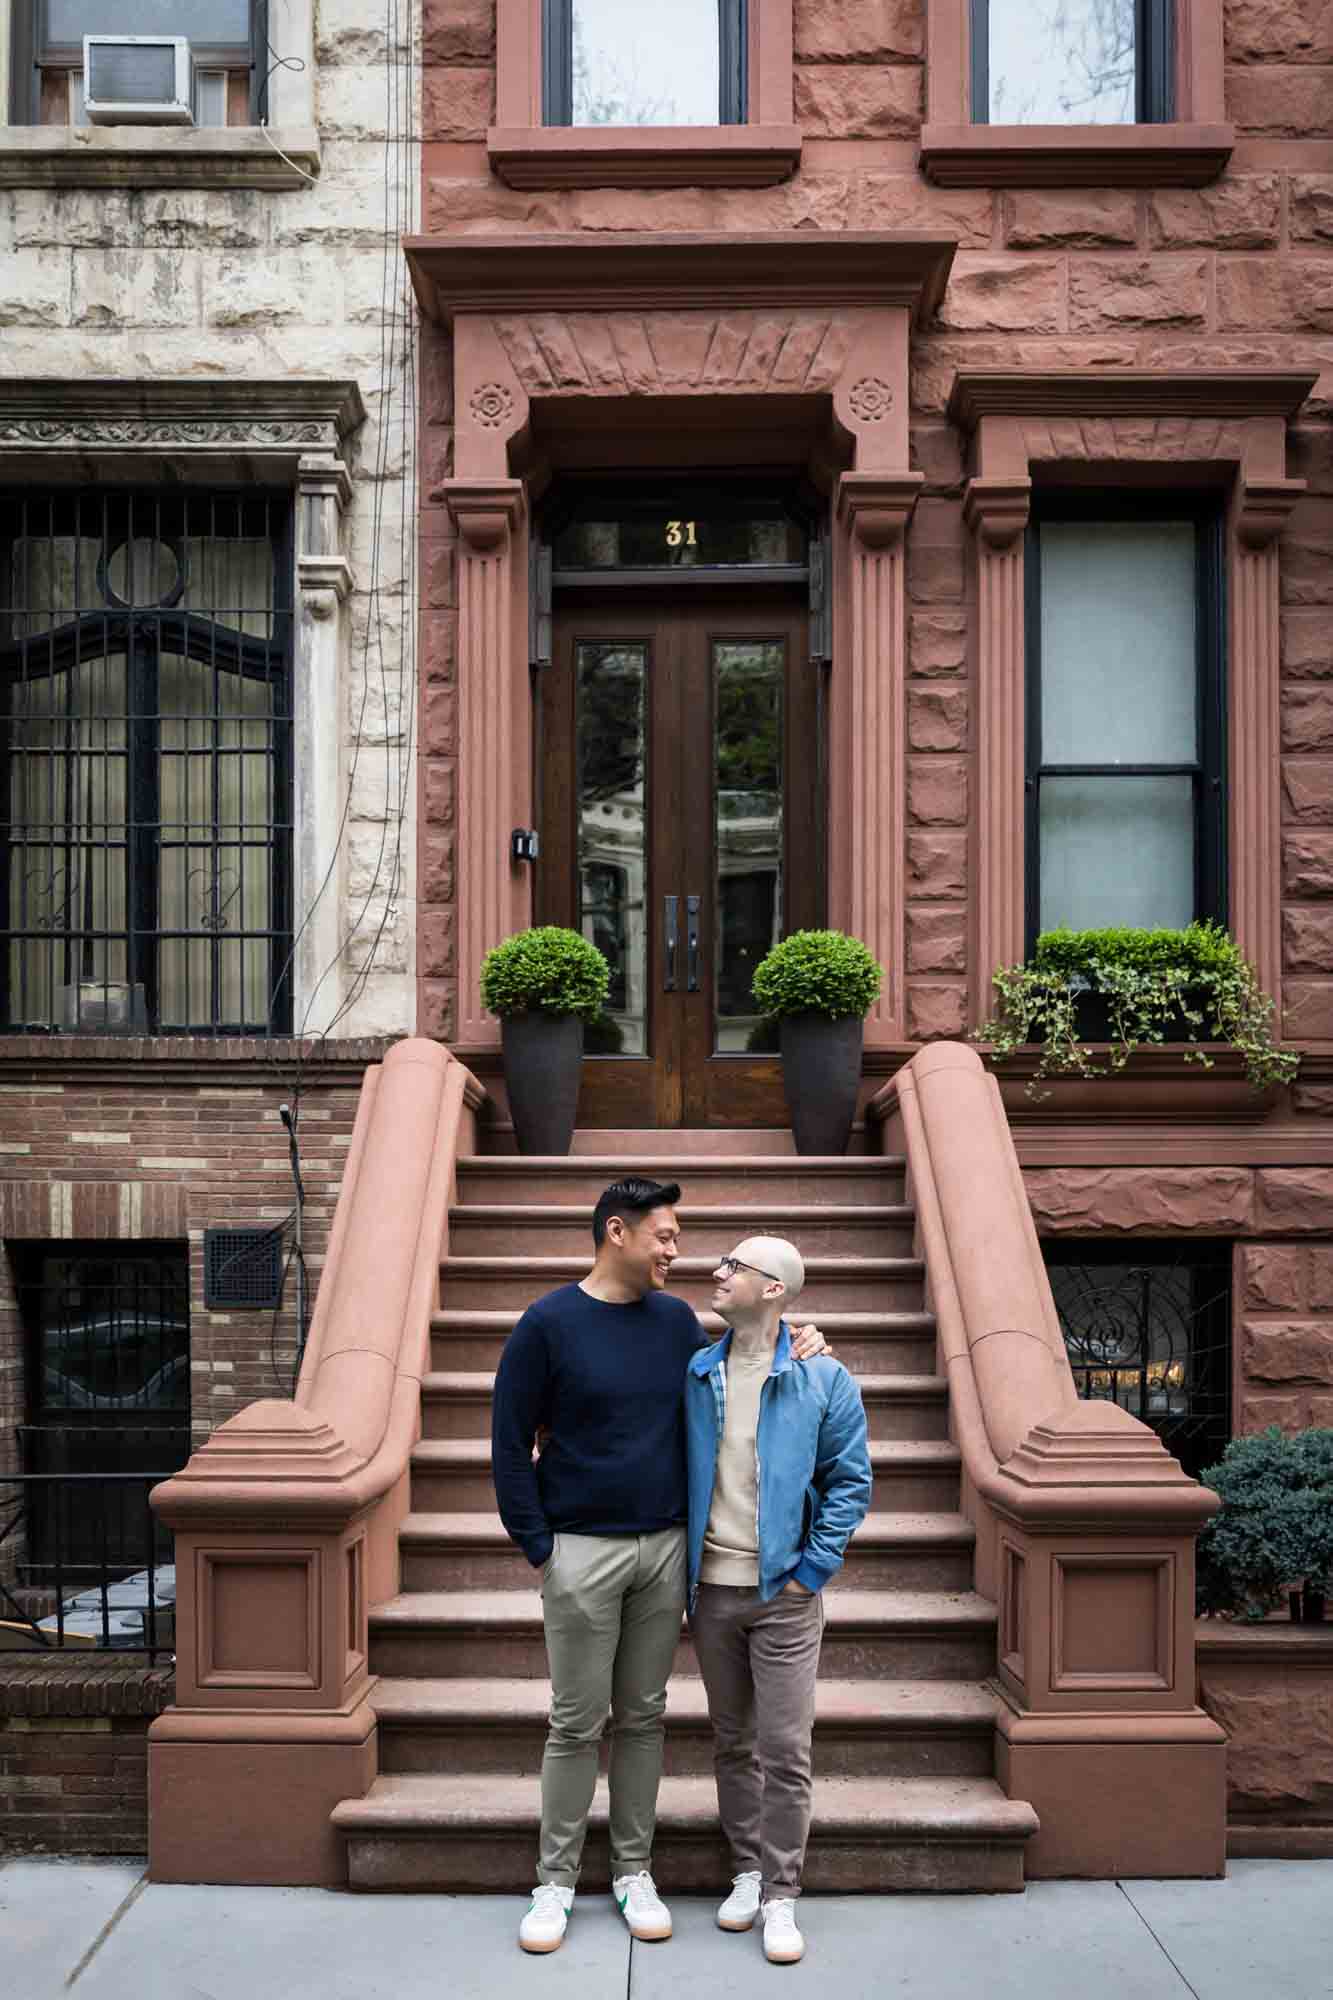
<point x="599" y="1368"/>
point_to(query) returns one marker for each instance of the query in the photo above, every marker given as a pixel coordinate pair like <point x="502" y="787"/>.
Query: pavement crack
<point x="1157" y="1941"/>
<point x="125" y="1906"/>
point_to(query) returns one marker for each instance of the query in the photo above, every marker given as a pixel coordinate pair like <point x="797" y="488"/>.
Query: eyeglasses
<point x="728" y="1267"/>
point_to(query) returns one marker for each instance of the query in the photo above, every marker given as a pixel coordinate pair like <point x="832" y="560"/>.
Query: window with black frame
<point x="1147" y="1325"/>
<point x="229" y="57"/>
<point x="1072" y="62"/>
<point x="1125" y="780"/>
<point x="145" y="762"/>
<point x="629" y="63"/>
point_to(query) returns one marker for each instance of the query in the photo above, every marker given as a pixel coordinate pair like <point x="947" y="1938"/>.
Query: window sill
<point x="652" y="157"/>
<point x="1075" y="155"/>
<point x="156" y="157"/>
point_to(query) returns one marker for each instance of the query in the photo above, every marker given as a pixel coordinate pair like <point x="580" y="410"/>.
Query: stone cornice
<point x="1126" y="392"/>
<point x="1063" y="156"/>
<point x="645" y="272"/>
<point x="294" y="414"/>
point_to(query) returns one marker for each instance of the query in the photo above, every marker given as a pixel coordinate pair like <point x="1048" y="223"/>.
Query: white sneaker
<point x="647" y="1915"/>
<point x="543" y="1928"/>
<point x="742" y="1905"/>
<point x="783" y="1943"/>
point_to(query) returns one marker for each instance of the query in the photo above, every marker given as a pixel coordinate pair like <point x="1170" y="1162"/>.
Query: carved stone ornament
<point x="294" y="416"/>
<point x="492" y="405"/>
<point x="98" y="431"/>
<point x="871" y="400"/>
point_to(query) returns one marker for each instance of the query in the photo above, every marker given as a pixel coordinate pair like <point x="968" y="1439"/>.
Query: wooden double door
<point x="682" y="831"/>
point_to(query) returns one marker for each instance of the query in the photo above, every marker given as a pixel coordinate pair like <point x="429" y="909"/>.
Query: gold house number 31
<point x="681" y="535"/>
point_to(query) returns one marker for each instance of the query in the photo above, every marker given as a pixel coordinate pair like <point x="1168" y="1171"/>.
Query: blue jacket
<point x="814" y="1462"/>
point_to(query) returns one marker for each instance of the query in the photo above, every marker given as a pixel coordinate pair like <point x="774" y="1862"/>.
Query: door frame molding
<point x="821" y="322"/>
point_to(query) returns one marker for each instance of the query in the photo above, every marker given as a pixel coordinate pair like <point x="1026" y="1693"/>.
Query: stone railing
<point x="1085" y="1524"/>
<point x="286" y="1521"/>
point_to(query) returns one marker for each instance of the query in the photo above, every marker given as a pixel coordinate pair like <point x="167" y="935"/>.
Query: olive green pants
<point x="612" y="1607"/>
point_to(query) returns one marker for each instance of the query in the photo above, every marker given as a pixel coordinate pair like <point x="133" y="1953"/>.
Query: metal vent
<point x="242" y="1268"/>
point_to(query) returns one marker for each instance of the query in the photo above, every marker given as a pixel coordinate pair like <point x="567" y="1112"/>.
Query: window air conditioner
<point x="137" y="79"/>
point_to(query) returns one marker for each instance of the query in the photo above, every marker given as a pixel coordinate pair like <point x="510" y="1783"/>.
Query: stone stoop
<point x="905" y="1796"/>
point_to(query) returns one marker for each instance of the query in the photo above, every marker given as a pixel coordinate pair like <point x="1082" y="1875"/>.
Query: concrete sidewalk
<point x="100" y="1931"/>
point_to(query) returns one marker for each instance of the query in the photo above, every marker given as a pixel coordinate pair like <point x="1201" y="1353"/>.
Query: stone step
<point x="867" y="1834"/>
<point x="453" y="1475"/>
<point x="881" y="1635"/>
<point x="849" y="1284"/>
<point x="881" y="1343"/>
<point x="869" y="1729"/>
<point x="471" y="1551"/>
<point x="503" y="1229"/>
<point x="754" y="1182"/>
<point x="897" y="1406"/>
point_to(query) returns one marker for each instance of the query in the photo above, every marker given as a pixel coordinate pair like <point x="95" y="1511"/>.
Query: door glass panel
<point x="635" y="63"/>
<point x="749" y="677"/>
<point x="610" y="684"/>
<point x="1062" y="62"/>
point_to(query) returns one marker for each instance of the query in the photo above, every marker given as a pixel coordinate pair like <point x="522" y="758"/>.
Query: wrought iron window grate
<point x="145" y="762"/>
<point x="1147" y="1325"/>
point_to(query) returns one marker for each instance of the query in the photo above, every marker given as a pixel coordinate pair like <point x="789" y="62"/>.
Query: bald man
<point x="779" y="1479"/>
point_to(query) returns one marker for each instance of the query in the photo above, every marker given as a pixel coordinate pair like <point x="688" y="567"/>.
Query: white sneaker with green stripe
<point x="543" y="1928"/>
<point x="639" y="1904"/>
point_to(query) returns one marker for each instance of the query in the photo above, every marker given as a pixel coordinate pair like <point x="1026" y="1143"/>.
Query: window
<point x="228" y="50"/>
<point x="145" y="791"/>
<point x="1125" y="759"/>
<point x="629" y="62"/>
<point x="1147" y="1325"/>
<point x="1072" y="62"/>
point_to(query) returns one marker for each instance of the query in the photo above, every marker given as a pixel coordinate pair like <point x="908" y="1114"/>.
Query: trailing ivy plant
<point x="548" y="970"/>
<point x="1275" y="1527"/>
<point x="1153" y="982"/>
<point x="817" y="972"/>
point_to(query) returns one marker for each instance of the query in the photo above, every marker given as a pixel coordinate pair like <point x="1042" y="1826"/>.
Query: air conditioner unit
<point x="137" y="80"/>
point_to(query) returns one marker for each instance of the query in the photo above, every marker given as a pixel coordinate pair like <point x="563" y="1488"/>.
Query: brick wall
<point x="74" y="1754"/>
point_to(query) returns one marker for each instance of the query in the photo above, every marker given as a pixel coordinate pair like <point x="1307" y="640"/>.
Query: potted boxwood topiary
<point x="1274" y="1534"/>
<point x="819" y="986"/>
<point x="544" y="984"/>
<point x="1134" y="988"/>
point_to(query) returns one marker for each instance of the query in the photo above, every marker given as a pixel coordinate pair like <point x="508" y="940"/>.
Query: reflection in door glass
<point x="749" y="678"/>
<point x="610" y="680"/>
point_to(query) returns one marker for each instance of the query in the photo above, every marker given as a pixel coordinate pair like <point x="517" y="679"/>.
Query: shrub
<point x="1275" y="1528"/>
<point x="816" y="972"/>
<point x="1152" y="981"/>
<point x="547" y="970"/>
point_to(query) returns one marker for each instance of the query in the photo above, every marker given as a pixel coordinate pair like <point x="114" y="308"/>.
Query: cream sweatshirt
<point x="731" y="1539"/>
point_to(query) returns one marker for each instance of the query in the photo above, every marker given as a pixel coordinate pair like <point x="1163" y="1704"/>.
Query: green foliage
<point x="1153" y="982"/>
<point x="1275" y="1528"/>
<point x="817" y="972"/>
<point x="547" y="970"/>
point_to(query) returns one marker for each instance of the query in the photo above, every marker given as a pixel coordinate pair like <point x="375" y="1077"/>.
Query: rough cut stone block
<point x="872" y="101"/>
<point x="1307" y="940"/>
<point x="857" y="30"/>
<point x="1307" y="718"/>
<point x="936" y="940"/>
<point x="241" y="291"/>
<point x="1272" y="1276"/>
<point x="937" y="452"/>
<point x="905" y="201"/>
<point x="1005" y="294"/>
<point x="1307" y="791"/>
<point x="1292" y="31"/>
<point x="935" y="570"/>
<point x="1307" y="646"/>
<point x="937" y="642"/>
<point x="1307" y="1010"/>
<point x="1145" y="291"/>
<point x="34" y="288"/>
<point x="1261" y="292"/>
<point x="1240" y="213"/>
<point x="1307" y="862"/>
<point x="440" y="561"/>
<point x="1321" y="1277"/>
<point x="438" y="647"/>
<point x="457" y="103"/>
<point x="1296" y="1199"/>
<point x="437" y="791"/>
<point x="935" y="1011"/>
<point x="1307" y="546"/>
<point x="1311" y="208"/>
<point x="1280" y="1747"/>
<point x="1313" y="1100"/>
<point x="147" y="288"/>
<point x="1281" y="103"/>
<point x="435" y="1009"/>
<point x="937" y="864"/>
<point x="1288" y="1351"/>
<point x="439" y="721"/>
<point x="1258" y="1412"/>
<point x="1038" y="219"/>
<point x="462" y="32"/>
<point x="435" y="944"/>
<point x="937" y="791"/>
<point x="937" y="718"/>
<point x="1152" y="1200"/>
<point x="436" y="854"/>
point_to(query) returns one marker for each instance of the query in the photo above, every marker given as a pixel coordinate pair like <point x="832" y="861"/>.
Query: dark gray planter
<point x="543" y="1059"/>
<point x="821" y="1071"/>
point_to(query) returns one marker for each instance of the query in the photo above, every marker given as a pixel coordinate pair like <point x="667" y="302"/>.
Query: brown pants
<point x="759" y="1663"/>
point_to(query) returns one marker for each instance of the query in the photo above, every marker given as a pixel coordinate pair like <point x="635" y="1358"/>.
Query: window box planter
<point x="1156" y="1085"/>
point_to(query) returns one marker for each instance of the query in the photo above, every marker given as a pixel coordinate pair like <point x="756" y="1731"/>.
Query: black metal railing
<point x="85" y="1563"/>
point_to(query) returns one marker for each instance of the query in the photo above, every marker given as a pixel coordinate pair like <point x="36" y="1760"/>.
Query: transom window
<point x="146" y="751"/>
<point x="1126" y="807"/>
<point x="1072" y="62"/>
<point x="630" y="62"/>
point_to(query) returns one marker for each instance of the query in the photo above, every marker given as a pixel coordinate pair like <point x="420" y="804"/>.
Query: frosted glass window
<point x="1117" y="851"/>
<point x="1119" y="644"/>
<point x="1061" y="62"/>
<point x="638" y="63"/>
<point x="208" y="23"/>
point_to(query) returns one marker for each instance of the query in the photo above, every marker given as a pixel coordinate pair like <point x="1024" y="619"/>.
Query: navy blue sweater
<point x="607" y="1382"/>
